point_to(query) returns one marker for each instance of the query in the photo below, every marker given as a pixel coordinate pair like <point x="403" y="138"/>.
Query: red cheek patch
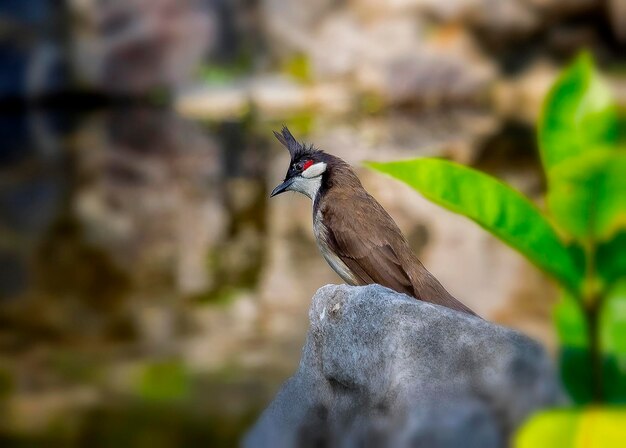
<point x="307" y="164"/>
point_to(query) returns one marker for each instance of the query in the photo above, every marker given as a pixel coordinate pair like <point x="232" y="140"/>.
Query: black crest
<point x="295" y="148"/>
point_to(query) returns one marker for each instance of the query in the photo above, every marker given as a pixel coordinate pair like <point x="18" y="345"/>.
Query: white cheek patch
<point x="314" y="170"/>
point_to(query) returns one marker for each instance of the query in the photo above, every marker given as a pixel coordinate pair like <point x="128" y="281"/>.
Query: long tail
<point x="430" y="290"/>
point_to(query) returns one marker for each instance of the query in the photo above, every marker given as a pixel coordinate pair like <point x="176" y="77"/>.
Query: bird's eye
<point x="302" y="166"/>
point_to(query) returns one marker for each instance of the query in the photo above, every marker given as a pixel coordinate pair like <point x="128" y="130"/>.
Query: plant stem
<point x="593" y="305"/>
<point x="595" y="351"/>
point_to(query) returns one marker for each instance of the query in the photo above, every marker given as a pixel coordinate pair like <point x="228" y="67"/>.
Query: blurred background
<point x="150" y="292"/>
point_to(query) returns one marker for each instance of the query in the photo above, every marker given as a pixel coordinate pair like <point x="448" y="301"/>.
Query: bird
<point x="358" y="238"/>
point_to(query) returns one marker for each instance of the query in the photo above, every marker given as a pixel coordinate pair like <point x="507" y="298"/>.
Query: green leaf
<point x="613" y="319"/>
<point x="164" y="381"/>
<point x="614" y="379"/>
<point x="587" y="197"/>
<point x="574" y="428"/>
<point x="549" y="429"/>
<point x="493" y="205"/>
<point x="611" y="259"/>
<point x="576" y="373"/>
<point x="579" y="115"/>
<point x="613" y="340"/>
<point x="571" y="323"/>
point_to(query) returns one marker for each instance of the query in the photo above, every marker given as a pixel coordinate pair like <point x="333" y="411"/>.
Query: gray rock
<point x="382" y="369"/>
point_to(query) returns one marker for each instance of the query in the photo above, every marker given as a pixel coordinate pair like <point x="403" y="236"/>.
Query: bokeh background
<point x="150" y="292"/>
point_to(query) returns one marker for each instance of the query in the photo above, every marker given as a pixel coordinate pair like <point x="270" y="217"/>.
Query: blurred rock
<point x="500" y="16"/>
<point x="617" y="15"/>
<point x="428" y="52"/>
<point x="382" y="369"/>
<point x="497" y="18"/>
<point x="207" y="102"/>
<point x="31" y="193"/>
<point x="279" y="95"/>
<point x="34" y="412"/>
<point x="395" y="58"/>
<point x="271" y="95"/>
<point x="420" y="67"/>
<point x="291" y="22"/>
<point x="151" y="194"/>
<point x="13" y="275"/>
<point x="521" y="97"/>
<point x="134" y="47"/>
<point x="563" y="7"/>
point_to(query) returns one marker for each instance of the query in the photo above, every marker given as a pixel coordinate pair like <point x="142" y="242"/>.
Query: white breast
<point x="321" y="235"/>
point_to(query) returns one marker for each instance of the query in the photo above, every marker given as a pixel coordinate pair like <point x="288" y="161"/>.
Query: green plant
<point x="298" y="67"/>
<point x="580" y="237"/>
<point x="164" y="381"/>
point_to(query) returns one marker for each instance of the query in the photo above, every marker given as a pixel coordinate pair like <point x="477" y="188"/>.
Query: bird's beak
<point x="282" y="187"/>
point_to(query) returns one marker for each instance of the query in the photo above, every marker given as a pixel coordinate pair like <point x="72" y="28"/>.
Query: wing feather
<point x="358" y="242"/>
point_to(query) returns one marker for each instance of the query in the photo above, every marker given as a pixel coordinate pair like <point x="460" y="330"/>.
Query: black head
<point x="306" y="168"/>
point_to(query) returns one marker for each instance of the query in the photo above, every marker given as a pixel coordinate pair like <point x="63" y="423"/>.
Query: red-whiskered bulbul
<point x="355" y="234"/>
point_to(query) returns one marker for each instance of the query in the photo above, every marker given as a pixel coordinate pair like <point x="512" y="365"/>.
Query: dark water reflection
<point x="141" y="268"/>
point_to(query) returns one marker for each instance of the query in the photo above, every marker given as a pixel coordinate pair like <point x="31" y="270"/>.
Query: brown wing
<point x="368" y="241"/>
<point x="363" y="240"/>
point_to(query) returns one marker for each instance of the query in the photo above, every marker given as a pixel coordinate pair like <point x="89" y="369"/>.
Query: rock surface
<point x="382" y="369"/>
